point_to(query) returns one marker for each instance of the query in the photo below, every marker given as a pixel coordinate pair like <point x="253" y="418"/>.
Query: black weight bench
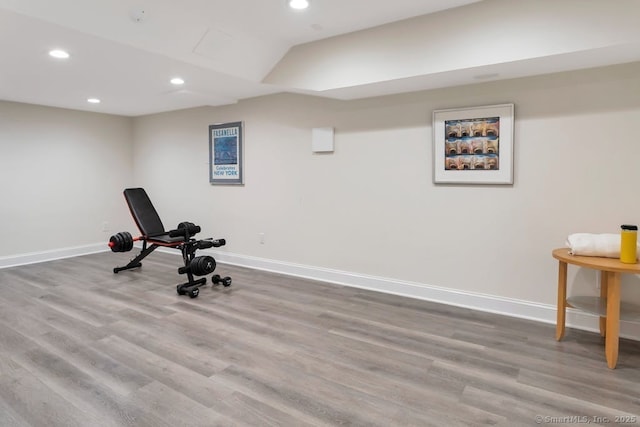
<point x="155" y="236"/>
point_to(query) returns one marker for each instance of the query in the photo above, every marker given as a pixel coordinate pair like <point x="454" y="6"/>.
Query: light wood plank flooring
<point x="81" y="346"/>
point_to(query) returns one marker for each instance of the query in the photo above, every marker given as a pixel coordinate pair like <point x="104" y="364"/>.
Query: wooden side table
<point x="607" y="306"/>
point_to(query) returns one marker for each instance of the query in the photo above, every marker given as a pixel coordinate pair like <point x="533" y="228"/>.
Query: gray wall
<point x="61" y="177"/>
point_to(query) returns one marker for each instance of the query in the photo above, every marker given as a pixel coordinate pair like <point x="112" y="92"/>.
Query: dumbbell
<point x="189" y="226"/>
<point x="122" y="242"/>
<point x="216" y="279"/>
<point x="185" y="229"/>
<point x="192" y="292"/>
<point x="210" y="243"/>
<point x="199" y="266"/>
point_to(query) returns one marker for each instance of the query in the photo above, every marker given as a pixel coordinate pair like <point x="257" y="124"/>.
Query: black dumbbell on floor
<point x="216" y="279"/>
<point x="191" y="292"/>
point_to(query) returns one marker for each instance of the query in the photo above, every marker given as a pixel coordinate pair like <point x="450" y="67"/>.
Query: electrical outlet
<point x="105" y="226"/>
<point x="261" y="238"/>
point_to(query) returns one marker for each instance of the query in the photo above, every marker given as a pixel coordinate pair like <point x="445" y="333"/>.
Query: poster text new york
<point x="225" y="170"/>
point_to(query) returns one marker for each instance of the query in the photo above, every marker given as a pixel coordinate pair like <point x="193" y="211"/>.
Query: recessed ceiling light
<point x="57" y="53"/>
<point x="93" y="100"/>
<point x="177" y="81"/>
<point x="298" y="4"/>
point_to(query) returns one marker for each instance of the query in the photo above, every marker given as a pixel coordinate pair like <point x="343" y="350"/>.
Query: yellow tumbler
<point x="628" y="244"/>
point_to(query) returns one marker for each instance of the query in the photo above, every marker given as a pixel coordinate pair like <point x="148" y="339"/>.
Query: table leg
<point x="613" y="318"/>
<point x="562" y="299"/>
<point x="603" y="294"/>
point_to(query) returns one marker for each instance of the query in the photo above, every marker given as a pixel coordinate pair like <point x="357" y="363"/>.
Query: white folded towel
<point x="587" y="244"/>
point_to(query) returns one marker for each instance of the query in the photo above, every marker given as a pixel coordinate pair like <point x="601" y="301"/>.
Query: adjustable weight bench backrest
<point x="143" y="212"/>
<point x="147" y="218"/>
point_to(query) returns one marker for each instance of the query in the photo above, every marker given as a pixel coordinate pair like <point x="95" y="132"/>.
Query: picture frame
<point x="473" y="145"/>
<point x="226" y="153"/>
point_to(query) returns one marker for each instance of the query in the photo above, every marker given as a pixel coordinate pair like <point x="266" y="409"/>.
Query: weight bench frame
<point x="155" y="236"/>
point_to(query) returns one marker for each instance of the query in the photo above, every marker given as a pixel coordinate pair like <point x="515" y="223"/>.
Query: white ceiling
<point x="125" y="51"/>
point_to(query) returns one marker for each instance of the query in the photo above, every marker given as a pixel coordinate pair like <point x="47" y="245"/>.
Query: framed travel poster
<point x="473" y="145"/>
<point x="226" y="153"/>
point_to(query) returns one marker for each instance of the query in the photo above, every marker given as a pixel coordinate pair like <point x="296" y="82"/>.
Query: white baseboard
<point x="52" y="255"/>
<point x="489" y="303"/>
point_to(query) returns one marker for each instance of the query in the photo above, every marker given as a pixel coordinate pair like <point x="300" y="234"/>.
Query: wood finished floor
<point x="81" y="346"/>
